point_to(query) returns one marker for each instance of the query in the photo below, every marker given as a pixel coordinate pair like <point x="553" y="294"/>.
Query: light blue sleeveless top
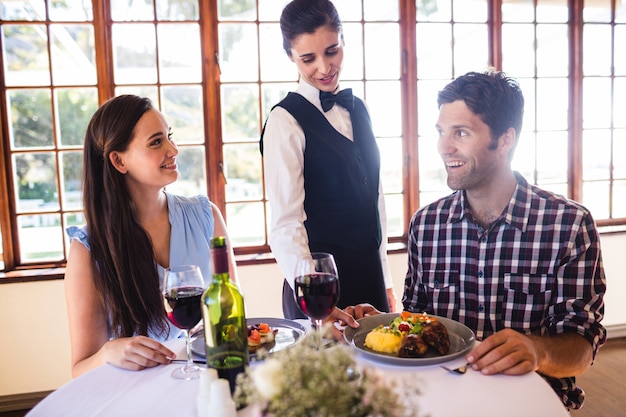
<point x="192" y="228"/>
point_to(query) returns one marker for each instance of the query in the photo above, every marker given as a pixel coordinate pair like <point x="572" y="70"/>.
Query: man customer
<point x="519" y="265"/>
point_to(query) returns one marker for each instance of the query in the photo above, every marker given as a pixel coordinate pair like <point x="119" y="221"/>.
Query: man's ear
<point x="508" y="140"/>
<point x="117" y="162"/>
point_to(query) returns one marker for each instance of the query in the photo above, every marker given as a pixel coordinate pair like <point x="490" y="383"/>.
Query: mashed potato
<point x="384" y="341"/>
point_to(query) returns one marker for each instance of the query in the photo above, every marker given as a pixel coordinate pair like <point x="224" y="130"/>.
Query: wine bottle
<point x="224" y="318"/>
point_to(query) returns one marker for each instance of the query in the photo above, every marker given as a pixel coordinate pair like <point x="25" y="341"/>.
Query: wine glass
<point x="182" y="291"/>
<point x="316" y="287"/>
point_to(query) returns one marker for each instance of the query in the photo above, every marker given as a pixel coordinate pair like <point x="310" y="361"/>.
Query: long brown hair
<point x="127" y="277"/>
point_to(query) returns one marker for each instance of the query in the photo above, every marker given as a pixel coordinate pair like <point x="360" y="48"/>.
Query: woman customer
<point x="322" y="166"/>
<point x="134" y="229"/>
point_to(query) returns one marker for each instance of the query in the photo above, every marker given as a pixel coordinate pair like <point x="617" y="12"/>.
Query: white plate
<point x="288" y="333"/>
<point x="461" y="341"/>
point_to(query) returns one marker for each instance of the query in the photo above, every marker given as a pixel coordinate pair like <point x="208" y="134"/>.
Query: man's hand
<point x="512" y="353"/>
<point x="507" y="351"/>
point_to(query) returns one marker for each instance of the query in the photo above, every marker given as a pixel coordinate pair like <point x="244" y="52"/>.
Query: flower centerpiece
<point x="303" y="381"/>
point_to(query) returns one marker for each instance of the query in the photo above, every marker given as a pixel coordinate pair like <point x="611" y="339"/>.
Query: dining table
<point x="108" y="391"/>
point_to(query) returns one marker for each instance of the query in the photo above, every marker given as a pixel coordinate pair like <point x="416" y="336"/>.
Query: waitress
<point x="322" y="167"/>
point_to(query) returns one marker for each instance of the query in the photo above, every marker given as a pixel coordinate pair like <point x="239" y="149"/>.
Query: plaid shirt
<point x="537" y="269"/>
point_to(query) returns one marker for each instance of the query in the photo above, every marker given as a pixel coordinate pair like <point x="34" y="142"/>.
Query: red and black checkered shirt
<point x="537" y="269"/>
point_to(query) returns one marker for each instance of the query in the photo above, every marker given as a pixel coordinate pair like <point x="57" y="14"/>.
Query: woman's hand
<point x="136" y="353"/>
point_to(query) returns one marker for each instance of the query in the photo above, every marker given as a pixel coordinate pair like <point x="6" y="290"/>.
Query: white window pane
<point x="177" y="10"/>
<point x="552" y="11"/>
<point x="352" y="52"/>
<point x="384" y="103"/>
<point x="596" y="154"/>
<point x="434" y="10"/>
<point x="434" y="50"/>
<point x="71" y="180"/>
<point x="376" y="10"/>
<point x="552" y="50"/>
<point x="619" y="199"/>
<point x="25" y="54"/>
<point x="618" y="55"/>
<point x="518" y="11"/>
<point x="427" y="109"/>
<point x="527" y="86"/>
<point x="391" y="159"/>
<point x="619" y="153"/>
<point x="552" y="157"/>
<point x="382" y="51"/>
<point x="35" y="182"/>
<point x="470" y="10"/>
<point x="242" y="168"/>
<point x="70" y="10"/>
<point x="270" y="10"/>
<point x="619" y="104"/>
<point x="183" y="109"/>
<point x="132" y="10"/>
<point x="240" y="112"/>
<point x="597" y="49"/>
<point x="179" y="53"/>
<point x="74" y="107"/>
<point x="518" y="49"/>
<point x="596" y="102"/>
<point x="394" y="207"/>
<point x="349" y="10"/>
<point x="620" y="13"/>
<point x="433" y="176"/>
<point x="275" y="64"/>
<point x="597" y="11"/>
<point x="470" y="48"/>
<point x="30" y="114"/>
<point x="41" y="237"/>
<point x="30" y="10"/>
<point x="524" y="157"/>
<point x="596" y="198"/>
<point x="73" y="55"/>
<point x="552" y="109"/>
<point x="134" y="53"/>
<point x="246" y="223"/>
<point x="238" y="52"/>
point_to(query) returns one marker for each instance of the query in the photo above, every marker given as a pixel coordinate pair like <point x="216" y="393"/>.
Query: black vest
<point x="341" y="177"/>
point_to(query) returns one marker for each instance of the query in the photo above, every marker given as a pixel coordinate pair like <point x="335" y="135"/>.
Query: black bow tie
<point x="343" y="98"/>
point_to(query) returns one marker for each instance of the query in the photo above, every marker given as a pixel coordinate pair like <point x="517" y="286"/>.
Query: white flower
<point x="266" y="378"/>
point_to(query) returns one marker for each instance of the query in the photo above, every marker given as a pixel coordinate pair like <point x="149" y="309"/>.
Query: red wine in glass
<point x="184" y="306"/>
<point x="182" y="290"/>
<point x="316" y="287"/>
<point x="317" y="294"/>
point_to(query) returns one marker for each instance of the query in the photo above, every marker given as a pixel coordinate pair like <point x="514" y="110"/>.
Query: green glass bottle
<point x="224" y="317"/>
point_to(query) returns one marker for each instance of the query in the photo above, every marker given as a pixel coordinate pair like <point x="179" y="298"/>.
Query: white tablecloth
<point x="113" y="392"/>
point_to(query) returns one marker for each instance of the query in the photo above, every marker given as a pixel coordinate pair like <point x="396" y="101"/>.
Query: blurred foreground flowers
<point x="305" y="382"/>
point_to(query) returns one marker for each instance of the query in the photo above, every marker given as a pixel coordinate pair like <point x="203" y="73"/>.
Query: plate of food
<point x="270" y="334"/>
<point x="413" y="339"/>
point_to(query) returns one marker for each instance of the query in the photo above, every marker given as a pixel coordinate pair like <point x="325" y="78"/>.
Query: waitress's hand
<point x="348" y="317"/>
<point x="391" y="299"/>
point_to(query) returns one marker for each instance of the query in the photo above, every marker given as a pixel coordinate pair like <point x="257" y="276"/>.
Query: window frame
<point x="216" y="181"/>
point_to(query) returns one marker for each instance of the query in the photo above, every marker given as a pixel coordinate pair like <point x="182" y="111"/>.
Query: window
<point x="216" y="67"/>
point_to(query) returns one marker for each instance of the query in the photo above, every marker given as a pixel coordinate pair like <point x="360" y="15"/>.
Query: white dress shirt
<point x="283" y="150"/>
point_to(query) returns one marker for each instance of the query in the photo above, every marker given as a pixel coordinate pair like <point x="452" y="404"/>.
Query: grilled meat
<point x="436" y="335"/>
<point x="412" y="347"/>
